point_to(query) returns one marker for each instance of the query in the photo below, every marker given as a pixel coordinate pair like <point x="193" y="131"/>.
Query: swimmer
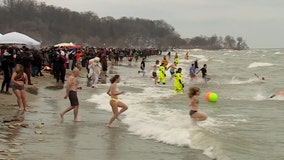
<point x="114" y="102"/>
<point x="280" y="93"/>
<point x="193" y="95"/>
<point x="259" y="77"/>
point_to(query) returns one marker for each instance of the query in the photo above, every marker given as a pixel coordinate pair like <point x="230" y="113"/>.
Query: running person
<point x="176" y="59"/>
<point x="142" y="67"/>
<point x="165" y="61"/>
<point x="71" y="92"/>
<point x="113" y="92"/>
<point x="193" y="94"/>
<point x="178" y="82"/>
<point x="154" y="71"/>
<point x="204" y="73"/>
<point x="162" y="74"/>
<point x="172" y="68"/>
<point x="192" y="71"/>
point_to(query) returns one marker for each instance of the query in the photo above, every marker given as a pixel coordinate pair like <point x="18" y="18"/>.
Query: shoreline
<point x="38" y="133"/>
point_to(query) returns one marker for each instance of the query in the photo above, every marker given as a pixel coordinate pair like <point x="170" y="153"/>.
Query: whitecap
<point x="260" y="64"/>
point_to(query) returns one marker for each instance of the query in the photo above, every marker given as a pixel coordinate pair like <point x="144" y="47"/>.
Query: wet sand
<point x="38" y="133"/>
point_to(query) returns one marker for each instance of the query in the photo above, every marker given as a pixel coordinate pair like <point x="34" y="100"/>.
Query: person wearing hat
<point x="94" y="71"/>
<point x="178" y="82"/>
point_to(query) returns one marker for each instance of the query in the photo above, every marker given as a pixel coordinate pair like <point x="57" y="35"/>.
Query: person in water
<point x="172" y="68"/>
<point x="186" y="56"/>
<point x="142" y="67"/>
<point x="259" y="77"/>
<point x="280" y="93"/>
<point x="192" y="72"/>
<point x="162" y="73"/>
<point x="178" y="82"/>
<point x="176" y="59"/>
<point x="19" y="80"/>
<point x="114" y="102"/>
<point x="71" y="92"/>
<point x="165" y="61"/>
<point x="204" y="73"/>
<point x="193" y="94"/>
<point x="154" y="71"/>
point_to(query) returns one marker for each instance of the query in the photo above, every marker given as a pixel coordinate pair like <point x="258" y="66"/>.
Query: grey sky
<point x="259" y="22"/>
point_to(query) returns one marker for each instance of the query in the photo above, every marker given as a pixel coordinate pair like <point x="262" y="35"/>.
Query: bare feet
<point x="25" y="109"/>
<point x="20" y="109"/>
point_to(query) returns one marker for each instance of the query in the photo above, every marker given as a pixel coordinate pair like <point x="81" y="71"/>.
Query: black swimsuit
<point x="191" y="112"/>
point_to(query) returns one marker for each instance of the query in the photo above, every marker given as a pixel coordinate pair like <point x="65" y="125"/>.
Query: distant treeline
<point x="51" y="25"/>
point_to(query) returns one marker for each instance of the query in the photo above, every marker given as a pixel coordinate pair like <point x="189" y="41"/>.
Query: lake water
<point x="243" y="124"/>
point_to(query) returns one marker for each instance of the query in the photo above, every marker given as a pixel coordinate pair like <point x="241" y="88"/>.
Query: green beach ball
<point x="213" y="97"/>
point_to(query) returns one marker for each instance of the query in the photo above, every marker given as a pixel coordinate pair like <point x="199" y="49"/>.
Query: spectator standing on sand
<point x="6" y="66"/>
<point x="19" y="80"/>
<point x="27" y="60"/>
<point x="61" y="70"/>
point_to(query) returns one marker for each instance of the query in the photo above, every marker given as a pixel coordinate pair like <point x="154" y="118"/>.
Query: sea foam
<point x="260" y="64"/>
<point x="149" y="119"/>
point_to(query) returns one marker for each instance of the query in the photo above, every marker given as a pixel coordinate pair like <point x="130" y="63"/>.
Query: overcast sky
<point x="259" y="22"/>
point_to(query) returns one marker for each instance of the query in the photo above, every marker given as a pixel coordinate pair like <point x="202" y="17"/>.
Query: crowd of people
<point x="20" y="64"/>
<point x="58" y="60"/>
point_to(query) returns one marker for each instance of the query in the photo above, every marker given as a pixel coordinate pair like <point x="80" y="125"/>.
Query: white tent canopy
<point x="18" y="38"/>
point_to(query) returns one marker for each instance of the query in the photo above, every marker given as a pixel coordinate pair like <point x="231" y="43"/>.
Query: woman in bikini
<point x="193" y="94"/>
<point x="113" y="92"/>
<point x="19" y="79"/>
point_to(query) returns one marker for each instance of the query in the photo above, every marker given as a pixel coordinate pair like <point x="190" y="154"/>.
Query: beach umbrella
<point x="64" y="44"/>
<point x="18" y="39"/>
<point x="67" y="45"/>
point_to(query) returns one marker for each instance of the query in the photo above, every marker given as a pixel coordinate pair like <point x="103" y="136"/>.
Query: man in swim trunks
<point x="71" y="92"/>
